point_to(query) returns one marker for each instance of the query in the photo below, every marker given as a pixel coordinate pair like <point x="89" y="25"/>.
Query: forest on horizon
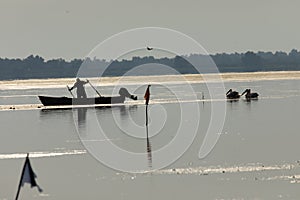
<point x="34" y="66"/>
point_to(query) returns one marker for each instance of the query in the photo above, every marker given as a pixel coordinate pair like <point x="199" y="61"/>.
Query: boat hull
<point x="62" y="101"/>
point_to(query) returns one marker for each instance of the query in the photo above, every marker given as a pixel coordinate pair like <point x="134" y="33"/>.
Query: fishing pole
<point x="93" y="87"/>
<point x="70" y="91"/>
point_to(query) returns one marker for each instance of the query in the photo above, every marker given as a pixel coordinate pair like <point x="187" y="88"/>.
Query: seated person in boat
<point x="79" y="84"/>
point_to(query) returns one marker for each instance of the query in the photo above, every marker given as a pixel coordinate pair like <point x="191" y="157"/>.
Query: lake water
<point x="255" y="157"/>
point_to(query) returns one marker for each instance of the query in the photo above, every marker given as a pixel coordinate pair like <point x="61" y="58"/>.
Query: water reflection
<point x="46" y="114"/>
<point x="111" y="119"/>
<point x="149" y="150"/>
<point x="81" y="116"/>
<point x="235" y="101"/>
<point x="126" y="110"/>
<point x="248" y="100"/>
<point x="149" y="153"/>
<point x="232" y="100"/>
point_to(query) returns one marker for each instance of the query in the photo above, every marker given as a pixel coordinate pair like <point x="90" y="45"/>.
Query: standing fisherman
<point x="80" y="88"/>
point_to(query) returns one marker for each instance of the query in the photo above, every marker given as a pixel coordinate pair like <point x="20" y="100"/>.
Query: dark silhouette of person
<point x="79" y="84"/>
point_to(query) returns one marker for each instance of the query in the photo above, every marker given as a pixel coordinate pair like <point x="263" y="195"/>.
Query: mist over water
<point x="256" y="157"/>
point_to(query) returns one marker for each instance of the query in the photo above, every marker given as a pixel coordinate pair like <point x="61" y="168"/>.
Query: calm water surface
<point x="256" y="156"/>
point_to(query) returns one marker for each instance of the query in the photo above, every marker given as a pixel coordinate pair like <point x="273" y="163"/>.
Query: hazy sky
<point x="69" y="28"/>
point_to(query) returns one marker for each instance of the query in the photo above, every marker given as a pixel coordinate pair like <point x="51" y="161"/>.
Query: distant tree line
<point x="37" y="67"/>
<point x="260" y="61"/>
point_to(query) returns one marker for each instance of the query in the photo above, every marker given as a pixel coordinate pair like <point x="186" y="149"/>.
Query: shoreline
<point x="129" y="80"/>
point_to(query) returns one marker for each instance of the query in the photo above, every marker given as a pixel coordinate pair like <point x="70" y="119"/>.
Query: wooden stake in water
<point x="147" y="98"/>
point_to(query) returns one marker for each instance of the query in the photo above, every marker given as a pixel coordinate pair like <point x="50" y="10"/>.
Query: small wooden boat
<point x="62" y="101"/>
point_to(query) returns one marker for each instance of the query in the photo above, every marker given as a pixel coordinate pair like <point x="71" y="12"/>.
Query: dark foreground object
<point x="62" y="101"/>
